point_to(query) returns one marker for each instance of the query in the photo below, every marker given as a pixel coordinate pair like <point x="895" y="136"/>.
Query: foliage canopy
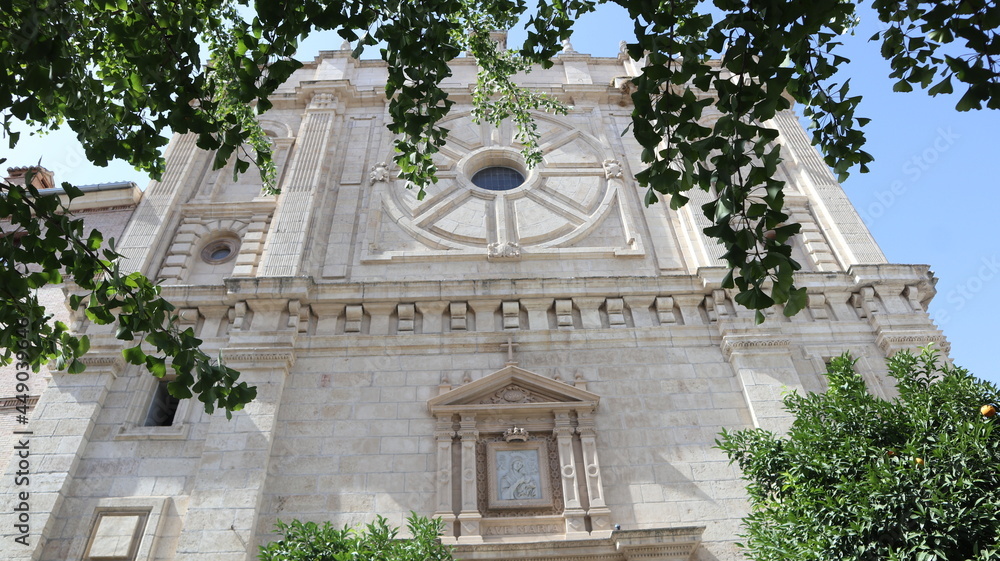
<point x="862" y="478"/>
<point x="120" y="74"/>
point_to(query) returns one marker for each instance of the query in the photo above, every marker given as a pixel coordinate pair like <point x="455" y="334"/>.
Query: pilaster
<point x="600" y="514"/>
<point x="469" y="517"/>
<point x="282" y="256"/>
<point x="148" y="231"/>
<point x="221" y="519"/>
<point x="764" y="367"/>
<point x="51" y="444"/>
<point x="444" y="437"/>
<point x="573" y="511"/>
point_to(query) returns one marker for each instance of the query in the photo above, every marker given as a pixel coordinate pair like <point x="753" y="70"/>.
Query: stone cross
<point x="509" y="345"/>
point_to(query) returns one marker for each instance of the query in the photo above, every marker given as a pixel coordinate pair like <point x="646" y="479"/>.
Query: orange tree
<point x="858" y="477"/>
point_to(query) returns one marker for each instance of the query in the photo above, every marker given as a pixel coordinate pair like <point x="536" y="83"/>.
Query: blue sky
<point x="932" y="197"/>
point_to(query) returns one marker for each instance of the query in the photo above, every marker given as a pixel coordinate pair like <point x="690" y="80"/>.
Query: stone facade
<point x="545" y="368"/>
<point x="105" y="207"/>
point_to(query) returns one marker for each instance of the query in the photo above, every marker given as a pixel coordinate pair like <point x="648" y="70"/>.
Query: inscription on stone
<point x="521" y="529"/>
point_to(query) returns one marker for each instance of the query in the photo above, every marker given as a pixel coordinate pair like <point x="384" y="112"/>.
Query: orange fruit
<point x="988" y="410"/>
<point x="919" y="461"/>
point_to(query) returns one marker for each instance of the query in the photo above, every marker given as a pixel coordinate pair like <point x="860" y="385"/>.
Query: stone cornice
<point x="240" y="358"/>
<point x="303" y="286"/>
<point x="240" y="210"/>
<point x="7" y="403"/>
<point x="343" y="91"/>
<point x="732" y="343"/>
<point x="97" y="362"/>
<point x="664" y="544"/>
<point x="891" y="342"/>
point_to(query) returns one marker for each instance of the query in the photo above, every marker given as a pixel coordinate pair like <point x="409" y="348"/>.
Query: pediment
<point x="513" y="387"/>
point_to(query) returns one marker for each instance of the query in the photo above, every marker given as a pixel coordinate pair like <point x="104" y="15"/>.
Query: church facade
<point x="531" y="355"/>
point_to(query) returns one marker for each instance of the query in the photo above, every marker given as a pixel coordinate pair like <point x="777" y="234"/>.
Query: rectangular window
<point x="162" y="408"/>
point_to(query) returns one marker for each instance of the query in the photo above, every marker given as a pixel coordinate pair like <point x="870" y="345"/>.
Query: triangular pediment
<point x="512" y="386"/>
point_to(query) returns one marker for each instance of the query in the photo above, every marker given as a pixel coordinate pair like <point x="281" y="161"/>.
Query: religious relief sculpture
<point x="518" y="475"/>
<point x="509" y="250"/>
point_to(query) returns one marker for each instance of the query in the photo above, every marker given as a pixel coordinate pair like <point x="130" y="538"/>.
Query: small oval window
<point x="219" y="251"/>
<point x="498" y="178"/>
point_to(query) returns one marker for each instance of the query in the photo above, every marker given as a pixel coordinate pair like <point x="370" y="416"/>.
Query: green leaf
<point x="71" y="191"/>
<point x="798" y="299"/>
<point x="134" y="355"/>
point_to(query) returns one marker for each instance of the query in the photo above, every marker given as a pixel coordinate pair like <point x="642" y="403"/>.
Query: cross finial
<point x="510" y="344"/>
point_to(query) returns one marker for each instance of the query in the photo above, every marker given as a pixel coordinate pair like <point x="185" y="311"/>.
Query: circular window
<point x="498" y="178"/>
<point x="219" y="251"/>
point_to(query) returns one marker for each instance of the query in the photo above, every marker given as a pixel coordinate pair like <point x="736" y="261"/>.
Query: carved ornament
<point x="513" y="394"/>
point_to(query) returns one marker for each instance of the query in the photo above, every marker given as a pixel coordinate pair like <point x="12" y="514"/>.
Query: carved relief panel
<point x="489" y="203"/>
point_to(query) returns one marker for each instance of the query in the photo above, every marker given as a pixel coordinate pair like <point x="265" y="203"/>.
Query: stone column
<point x="469" y="516"/>
<point x="576" y="527"/>
<point x="445" y="510"/>
<point x="221" y="520"/>
<point x="600" y="514"/>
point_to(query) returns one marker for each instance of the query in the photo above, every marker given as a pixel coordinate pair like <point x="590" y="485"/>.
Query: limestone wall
<point x="382" y="332"/>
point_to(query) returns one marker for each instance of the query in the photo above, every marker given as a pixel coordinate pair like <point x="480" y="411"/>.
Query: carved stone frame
<point x="473" y="416"/>
<point x="541" y="461"/>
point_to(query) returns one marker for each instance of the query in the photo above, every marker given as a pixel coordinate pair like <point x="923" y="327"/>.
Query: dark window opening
<point x="220" y="253"/>
<point x="498" y="178"/>
<point x="163" y="407"/>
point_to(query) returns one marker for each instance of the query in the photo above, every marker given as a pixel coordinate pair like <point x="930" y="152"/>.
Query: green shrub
<point x="308" y="541"/>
